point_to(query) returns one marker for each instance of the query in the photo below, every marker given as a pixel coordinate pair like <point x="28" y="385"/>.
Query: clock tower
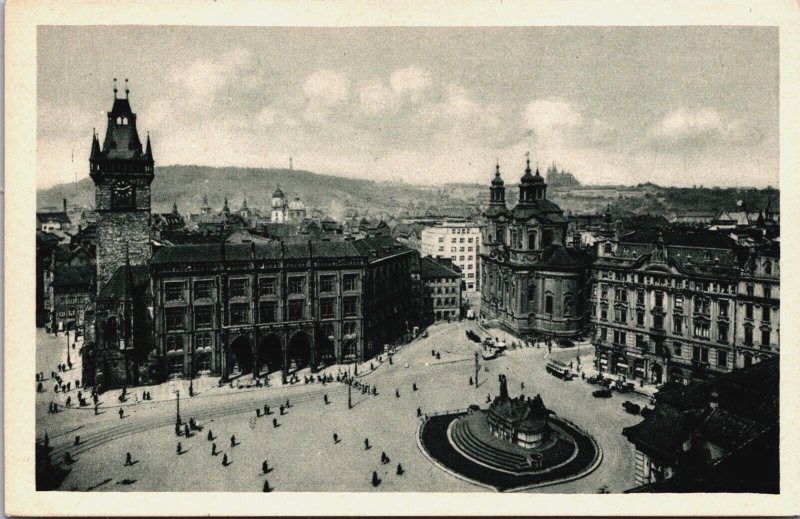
<point x="122" y="174"/>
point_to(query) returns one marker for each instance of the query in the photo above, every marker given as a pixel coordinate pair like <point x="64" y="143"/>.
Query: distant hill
<point x="185" y="186"/>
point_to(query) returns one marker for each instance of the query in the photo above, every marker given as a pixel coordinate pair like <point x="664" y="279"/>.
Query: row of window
<point x="239" y="287"/>
<point x="701" y="331"/>
<point x="175" y="318"/>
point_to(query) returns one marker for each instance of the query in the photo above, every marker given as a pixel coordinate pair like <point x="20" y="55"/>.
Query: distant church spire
<point x="127" y="90"/>
<point x="115" y="88"/>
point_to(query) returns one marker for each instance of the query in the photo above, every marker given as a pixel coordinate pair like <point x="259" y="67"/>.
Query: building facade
<point x="461" y="242"/>
<point x="681" y="306"/>
<point x="441" y="291"/>
<point x="531" y="283"/>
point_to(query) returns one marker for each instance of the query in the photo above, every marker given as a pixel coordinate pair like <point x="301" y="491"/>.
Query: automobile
<point x="630" y="407"/>
<point x="594" y="379"/>
<point x="601" y="393"/>
<point x="624" y="387"/>
<point x="606" y="382"/>
<point x="565" y="343"/>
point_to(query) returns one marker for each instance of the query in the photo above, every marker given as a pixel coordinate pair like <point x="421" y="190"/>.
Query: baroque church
<point x="533" y="284"/>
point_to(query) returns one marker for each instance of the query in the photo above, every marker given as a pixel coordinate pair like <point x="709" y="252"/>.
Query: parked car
<point x="594" y="379"/>
<point x="631" y="407"/>
<point x="601" y="393"/>
<point x="624" y="387"/>
<point x="565" y="343"/>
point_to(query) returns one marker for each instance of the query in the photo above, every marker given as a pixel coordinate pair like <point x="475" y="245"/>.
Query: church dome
<point x="497" y="181"/>
<point x="278" y="200"/>
<point x="296" y="205"/>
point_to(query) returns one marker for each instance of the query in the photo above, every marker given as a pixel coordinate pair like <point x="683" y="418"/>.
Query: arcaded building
<point x="532" y="284"/>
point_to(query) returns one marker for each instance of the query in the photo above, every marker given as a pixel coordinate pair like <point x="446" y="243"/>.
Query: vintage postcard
<point x="400" y="258"/>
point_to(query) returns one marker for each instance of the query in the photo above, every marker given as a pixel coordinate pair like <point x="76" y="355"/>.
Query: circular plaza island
<point x="515" y="444"/>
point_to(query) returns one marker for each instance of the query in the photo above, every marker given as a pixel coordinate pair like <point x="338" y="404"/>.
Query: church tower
<point x="122" y="174"/>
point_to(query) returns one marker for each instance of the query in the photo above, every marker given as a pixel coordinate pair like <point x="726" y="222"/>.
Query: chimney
<point x="64" y="202"/>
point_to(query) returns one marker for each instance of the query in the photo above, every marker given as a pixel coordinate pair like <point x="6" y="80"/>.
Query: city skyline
<point x="428" y="105"/>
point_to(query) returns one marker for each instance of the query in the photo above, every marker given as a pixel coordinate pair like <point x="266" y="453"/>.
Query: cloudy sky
<point x="674" y="106"/>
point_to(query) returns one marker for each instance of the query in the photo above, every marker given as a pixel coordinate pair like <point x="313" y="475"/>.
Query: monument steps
<point x="480" y="450"/>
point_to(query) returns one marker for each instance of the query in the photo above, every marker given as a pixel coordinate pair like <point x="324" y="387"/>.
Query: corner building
<point x="532" y="283"/>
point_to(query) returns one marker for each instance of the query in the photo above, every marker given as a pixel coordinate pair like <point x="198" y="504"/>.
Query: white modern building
<point x="459" y="241"/>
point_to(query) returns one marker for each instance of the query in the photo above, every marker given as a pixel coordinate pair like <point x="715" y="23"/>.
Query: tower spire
<point x="115" y="88"/>
<point x="127" y="90"/>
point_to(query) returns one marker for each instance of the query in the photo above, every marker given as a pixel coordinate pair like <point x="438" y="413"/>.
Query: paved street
<point x="301" y="450"/>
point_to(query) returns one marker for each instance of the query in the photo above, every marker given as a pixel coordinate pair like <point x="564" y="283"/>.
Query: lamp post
<point x="178" y="407"/>
<point x="477" y="369"/>
<point x="68" y="360"/>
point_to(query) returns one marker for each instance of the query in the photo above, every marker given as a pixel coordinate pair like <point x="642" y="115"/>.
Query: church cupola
<point x="498" y="190"/>
<point x="531" y="187"/>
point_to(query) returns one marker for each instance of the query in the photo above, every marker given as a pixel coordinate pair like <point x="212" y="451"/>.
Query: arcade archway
<point x="656" y="374"/>
<point x="326" y="351"/>
<point x="299" y="351"/>
<point x="269" y="354"/>
<point x="241" y="357"/>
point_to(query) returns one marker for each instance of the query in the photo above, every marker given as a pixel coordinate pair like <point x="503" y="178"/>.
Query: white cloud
<point x="411" y="80"/>
<point x="375" y="97"/>
<point x="547" y="116"/>
<point x="684" y="129"/>
<point x="326" y="87"/>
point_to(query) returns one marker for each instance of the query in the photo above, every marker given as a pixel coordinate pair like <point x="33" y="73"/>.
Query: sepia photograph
<point x="388" y="259"/>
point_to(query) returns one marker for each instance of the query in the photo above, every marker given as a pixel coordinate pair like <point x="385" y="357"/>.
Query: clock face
<point x="122" y="195"/>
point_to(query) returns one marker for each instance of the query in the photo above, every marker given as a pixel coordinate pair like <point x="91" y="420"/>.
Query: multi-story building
<point x="531" y="283"/>
<point x="441" y="291"/>
<point x="72" y="289"/>
<point x="461" y="242"/>
<point x="678" y="306"/>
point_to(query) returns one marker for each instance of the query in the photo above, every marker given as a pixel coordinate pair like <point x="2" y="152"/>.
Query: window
<point x="238" y="287"/>
<point x="722" y="358"/>
<point x="701" y="329"/>
<point x="748" y="335"/>
<point x="350" y="306"/>
<point x="326" y="308"/>
<point x="620" y="315"/>
<point x="326" y="283"/>
<point x="620" y="294"/>
<point x="203" y="340"/>
<point x="723" y="308"/>
<point x="267" y="312"/>
<point x="296" y="310"/>
<point x="658" y="322"/>
<point x="640" y="297"/>
<point x="296" y="285"/>
<point x="202" y="317"/>
<point x="176" y="365"/>
<point x="700" y="354"/>
<point x="351" y="282"/>
<point x="266" y="286"/>
<point x="350" y="327"/>
<point x="461" y="240"/>
<point x="441" y="239"/>
<point x="174" y="342"/>
<point x="202" y="290"/>
<point x="603" y="312"/>
<point x="619" y="338"/>
<point x="677" y="324"/>
<point x="765" y="313"/>
<point x="676" y="349"/>
<point x="568" y="305"/>
<point x="604" y="333"/>
<point x="702" y="306"/>
<point x="765" y="336"/>
<point x="548" y="304"/>
<point x="639" y="317"/>
<point x="678" y="302"/>
<point x="531" y="240"/>
<point x="240" y="313"/>
<point x="603" y="292"/>
<point x="173" y="291"/>
<point x="767" y="267"/>
<point x="722" y="332"/>
<point x="531" y="292"/>
<point x="659" y="299"/>
<point x="174" y="319"/>
<point x="767" y="292"/>
<point x="748" y="311"/>
<point x="750" y="290"/>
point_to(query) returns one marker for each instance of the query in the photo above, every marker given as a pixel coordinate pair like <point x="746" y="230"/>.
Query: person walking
<point x="210" y="436"/>
<point x="471" y="382"/>
<point x="266" y="409"/>
<point x="179" y="450"/>
<point x="419" y="411"/>
<point x="77" y="440"/>
<point x="267" y="488"/>
<point x="264" y="467"/>
<point x="335" y="438"/>
<point x="400" y="470"/>
<point x="375" y="480"/>
<point x="121" y="413"/>
<point x="384" y="458"/>
<point x="233" y="441"/>
<point x="366" y="444"/>
<point x="325" y="398"/>
<point x="224" y="460"/>
<point x="128" y="461"/>
<point x="213" y="449"/>
<point x="414" y="386"/>
<point x="397" y="393"/>
<point x="274" y="423"/>
<point x="281" y="409"/>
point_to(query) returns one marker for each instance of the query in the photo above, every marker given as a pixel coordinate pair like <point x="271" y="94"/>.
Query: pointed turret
<point x="225" y="208"/>
<point x="95" y="154"/>
<point x="175" y="208"/>
<point x="148" y="151"/>
<point x="531" y="187"/>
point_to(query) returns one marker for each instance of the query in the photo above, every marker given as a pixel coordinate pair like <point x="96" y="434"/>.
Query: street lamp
<point x="178" y="406"/>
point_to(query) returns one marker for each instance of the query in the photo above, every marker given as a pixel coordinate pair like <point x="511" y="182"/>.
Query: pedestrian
<point x="69" y="401"/>
<point x="397" y="393"/>
<point x="471" y="382"/>
<point x="266" y="409"/>
<point x="400" y="470"/>
<point x="374" y="391"/>
<point x="213" y="449"/>
<point x="121" y="413"/>
<point x="275" y="423"/>
<point x="266" y="486"/>
<point x="488" y="398"/>
<point x="375" y="480"/>
<point x="281" y="408"/>
<point x="186" y="431"/>
<point x="264" y="467"/>
<point x="287" y="404"/>
<point x="77" y="440"/>
<point x="224" y="460"/>
<point x="55" y="389"/>
<point x="128" y="461"/>
<point x="335" y="438"/>
<point x="210" y="436"/>
<point x="68" y="458"/>
<point x="384" y="458"/>
<point x="414" y="386"/>
<point x="96" y="410"/>
<point x="366" y="444"/>
<point x="438" y="356"/>
<point x="177" y="430"/>
<point x="325" y="398"/>
<point x="77" y="382"/>
<point x="522" y="385"/>
<point x="419" y="411"/>
<point x="433" y="353"/>
<point x="179" y="449"/>
<point x="233" y="441"/>
<point x="258" y="412"/>
<point x="39" y="387"/>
